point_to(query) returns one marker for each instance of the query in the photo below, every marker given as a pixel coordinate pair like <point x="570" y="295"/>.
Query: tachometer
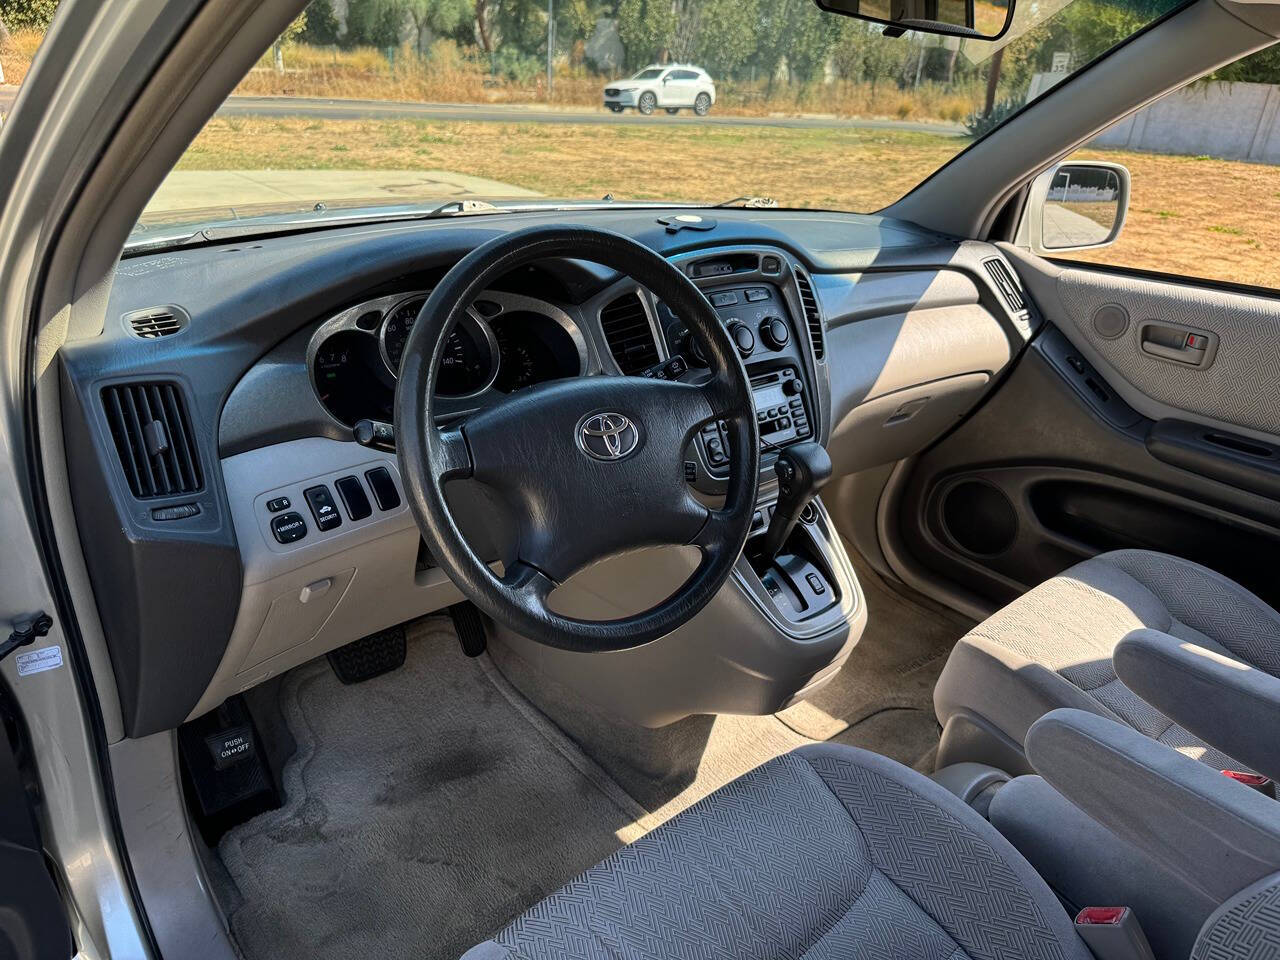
<point x="532" y="348"/>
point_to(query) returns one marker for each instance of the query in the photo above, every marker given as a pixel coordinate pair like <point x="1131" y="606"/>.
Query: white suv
<point x="673" y="87"/>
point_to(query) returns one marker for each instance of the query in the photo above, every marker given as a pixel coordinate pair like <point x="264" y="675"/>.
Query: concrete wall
<point x="1235" y="121"/>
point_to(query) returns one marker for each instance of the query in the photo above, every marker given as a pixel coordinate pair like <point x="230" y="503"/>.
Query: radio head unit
<point x="780" y="414"/>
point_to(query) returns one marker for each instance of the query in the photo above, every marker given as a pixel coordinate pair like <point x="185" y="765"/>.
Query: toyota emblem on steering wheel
<point x="607" y="436"/>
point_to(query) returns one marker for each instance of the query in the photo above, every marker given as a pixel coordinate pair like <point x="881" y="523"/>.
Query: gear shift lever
<point x="802" y="470"/>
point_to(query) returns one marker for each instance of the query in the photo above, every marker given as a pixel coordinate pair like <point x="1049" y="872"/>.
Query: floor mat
<point x="425" y="809"/>
<point x="882" y="698"/>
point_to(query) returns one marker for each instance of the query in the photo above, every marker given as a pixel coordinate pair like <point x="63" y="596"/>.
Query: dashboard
<point x="868" y="335"/>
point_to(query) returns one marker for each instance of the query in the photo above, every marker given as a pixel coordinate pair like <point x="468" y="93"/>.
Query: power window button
<point x="320" y="500"/>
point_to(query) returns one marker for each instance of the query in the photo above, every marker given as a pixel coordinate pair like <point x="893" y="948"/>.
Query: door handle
<point x="1179" y="344"/>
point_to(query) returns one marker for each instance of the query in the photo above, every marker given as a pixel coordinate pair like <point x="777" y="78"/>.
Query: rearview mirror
<point x="980" y="19"/>
<point x="1074" y="206"/>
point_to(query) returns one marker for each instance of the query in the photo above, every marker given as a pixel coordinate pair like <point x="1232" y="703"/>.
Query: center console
<point x="793" y="565"/>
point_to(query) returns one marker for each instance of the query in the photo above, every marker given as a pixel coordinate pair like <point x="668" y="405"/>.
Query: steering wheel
<point x="589" y="466"/>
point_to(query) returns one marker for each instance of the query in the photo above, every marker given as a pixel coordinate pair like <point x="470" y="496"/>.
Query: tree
<point x="794" y="32"/>
<point x="292" y="32"/>
<point x="27" y="14"/>
<point x="322" y="24"/>
<point x="726" y="36"/>
<point x="646" y="28"/>
<point x="430" y="18"/>
<point x="375" y="23"/>
<point x="813" y="34"/>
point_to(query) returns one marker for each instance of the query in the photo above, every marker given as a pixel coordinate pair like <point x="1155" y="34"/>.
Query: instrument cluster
<point x="504" y="343"/>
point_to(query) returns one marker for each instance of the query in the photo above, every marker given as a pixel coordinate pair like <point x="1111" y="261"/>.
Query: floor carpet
<point x="425" y="808"/>
<point x="882" y="699"/>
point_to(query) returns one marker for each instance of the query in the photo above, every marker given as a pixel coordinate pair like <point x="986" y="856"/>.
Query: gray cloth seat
<point x="1053" y="646"/>
<point x="828" y="851"/>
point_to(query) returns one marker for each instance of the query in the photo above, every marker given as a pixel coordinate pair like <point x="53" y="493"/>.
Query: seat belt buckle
<point x="1255" y="781"/>
<point x="1113" y="933"/>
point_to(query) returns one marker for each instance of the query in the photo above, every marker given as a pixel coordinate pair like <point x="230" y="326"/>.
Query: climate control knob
<point x="742" y="337"/>
<point x="774" y="333"/>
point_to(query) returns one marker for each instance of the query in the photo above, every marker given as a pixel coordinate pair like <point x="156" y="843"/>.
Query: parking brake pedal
<point x="226" y="767"/>
<point x="470" y="628"/>
<point x="369" y="656"/>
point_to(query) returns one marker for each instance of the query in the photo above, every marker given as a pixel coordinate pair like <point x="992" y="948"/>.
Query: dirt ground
<point x="1190" y="215"/>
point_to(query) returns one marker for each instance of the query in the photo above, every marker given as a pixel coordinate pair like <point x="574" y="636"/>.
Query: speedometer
<point x="469" y="359"/>
<point x="395" y="331"/>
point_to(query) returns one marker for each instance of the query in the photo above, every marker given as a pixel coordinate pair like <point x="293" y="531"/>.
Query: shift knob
<point x="802" y="470"/>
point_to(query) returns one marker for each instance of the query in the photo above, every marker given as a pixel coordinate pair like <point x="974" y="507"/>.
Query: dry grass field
<point x="1196" y="216"/>
<point x="15" y="56"/>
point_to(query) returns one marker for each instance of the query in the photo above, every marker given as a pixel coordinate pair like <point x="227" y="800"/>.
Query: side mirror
<point x="1074" y="206"/>
<point x="978" y="19"/>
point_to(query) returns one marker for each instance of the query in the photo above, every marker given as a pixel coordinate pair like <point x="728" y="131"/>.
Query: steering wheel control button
<point x="353" y="498"/>
<point x="774" y="333"/>
<point x="320" y="500"/>
<point x="385" y="494"/>
<point x="607" y="436"/>
<point x="289" y="527"/>
<point x="277" y="504"/>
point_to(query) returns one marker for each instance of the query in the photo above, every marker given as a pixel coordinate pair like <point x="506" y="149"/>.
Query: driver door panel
<point x="1095" y="442"/>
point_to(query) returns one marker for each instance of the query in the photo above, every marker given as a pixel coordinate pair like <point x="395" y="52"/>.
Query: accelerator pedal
<point x="369" y="656"/>
<point x="469" y="627"/>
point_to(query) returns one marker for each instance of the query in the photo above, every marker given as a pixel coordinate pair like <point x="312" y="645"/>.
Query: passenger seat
<point x="1052" y="647"/>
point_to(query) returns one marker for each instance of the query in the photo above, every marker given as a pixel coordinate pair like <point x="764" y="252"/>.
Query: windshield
<point x="412" y="103"/>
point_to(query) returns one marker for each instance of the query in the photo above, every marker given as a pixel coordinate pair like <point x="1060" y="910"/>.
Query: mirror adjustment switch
<point x="353" y="498"/>
<point x="277" y="504"/>
<point x="385" y="494"/>
<point x="289" y="527"/>
<point x="320" y="500"/>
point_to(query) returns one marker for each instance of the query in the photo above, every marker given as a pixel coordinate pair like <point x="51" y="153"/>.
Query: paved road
<point x="519" y="113"/>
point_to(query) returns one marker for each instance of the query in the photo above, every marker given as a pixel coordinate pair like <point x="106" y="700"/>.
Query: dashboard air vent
<point x="628" y="333"/>
<point x="153" y="439"/>
<point x="155" y="322"/>
<point x="1002" y="276"/>
<point x="812" y="318"/>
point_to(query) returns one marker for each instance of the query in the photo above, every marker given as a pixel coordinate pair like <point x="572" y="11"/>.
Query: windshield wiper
<point x="754" y="203"/>
<point x="231" y="230"/>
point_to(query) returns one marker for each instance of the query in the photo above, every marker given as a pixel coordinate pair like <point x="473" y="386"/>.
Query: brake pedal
<point x="369" y="656"/>
<point x="469" y="627"/>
